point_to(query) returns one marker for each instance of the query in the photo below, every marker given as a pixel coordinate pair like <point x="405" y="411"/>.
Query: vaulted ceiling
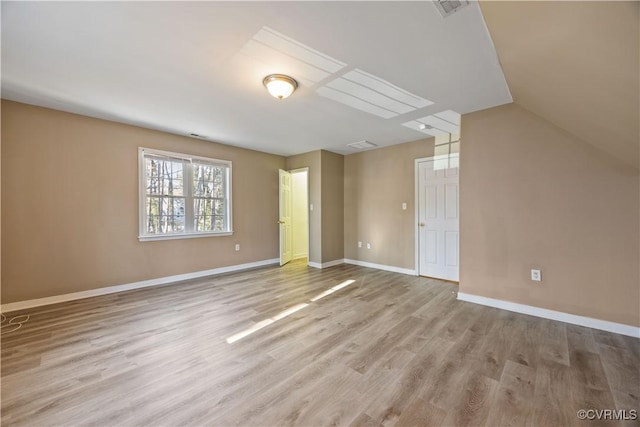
<point x="367" y="70"/>
<point x="576" y="64"/>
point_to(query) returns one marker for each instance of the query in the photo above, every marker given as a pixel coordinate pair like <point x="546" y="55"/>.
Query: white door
<point x="438" y="218"/>
<point x="286" y="247"/>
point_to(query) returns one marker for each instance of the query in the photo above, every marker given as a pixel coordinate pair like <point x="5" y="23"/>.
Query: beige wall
<point x="548" y="51"/>
<point x="0" y="201"/>
<point x="332" y="165"/>
<point x="70" y="205"/>
<point x="312" y="161"/>
<point x="560" y="57"/>
<point x="326" y="175"/>
<point x="376" y="183"/>
<point x="533" y="195"/>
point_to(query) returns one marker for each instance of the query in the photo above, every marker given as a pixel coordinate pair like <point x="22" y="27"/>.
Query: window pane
<point x="203" y="223"/>
<point x="153" y="224"/>
<point x="209" y="214"/>
<point x="165" y="215"/>
<point x="218" y="207"/>
<point x="219" y="223"/>
<point x="164" y="176"/>
<point x="175" y="185"/>
<point x="202" y="206"/>
<point x="208" y="180"/>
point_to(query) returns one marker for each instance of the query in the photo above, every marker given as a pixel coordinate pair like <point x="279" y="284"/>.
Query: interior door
<point x="284" y="222"/>
<point x="438" y="218"/>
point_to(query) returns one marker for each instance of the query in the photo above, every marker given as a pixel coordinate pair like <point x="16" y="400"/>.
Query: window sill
<point x="183" y="236"/>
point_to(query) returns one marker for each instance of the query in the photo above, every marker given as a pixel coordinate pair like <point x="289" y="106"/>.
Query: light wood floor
<point x="389" y="349"/>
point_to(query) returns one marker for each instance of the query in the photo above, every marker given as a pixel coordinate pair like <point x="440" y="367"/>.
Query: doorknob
<point x="421" y="224"/>
<point x="280" y="222"/>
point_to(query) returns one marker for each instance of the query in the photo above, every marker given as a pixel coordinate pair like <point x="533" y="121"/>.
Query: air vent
<point x="361" y="145"/>
<point x="447" y="7"/>
<point x="195" y="135"/>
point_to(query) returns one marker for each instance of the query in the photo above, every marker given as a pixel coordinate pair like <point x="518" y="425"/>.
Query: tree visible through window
<point x="182" y="194"/>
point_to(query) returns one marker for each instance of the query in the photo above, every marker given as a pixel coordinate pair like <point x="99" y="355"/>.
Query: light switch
<point x="311" y="207"/>
<point x="404" y="206"/>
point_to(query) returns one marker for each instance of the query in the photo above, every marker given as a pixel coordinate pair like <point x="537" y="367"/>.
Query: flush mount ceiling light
<point x="279" y="85"/>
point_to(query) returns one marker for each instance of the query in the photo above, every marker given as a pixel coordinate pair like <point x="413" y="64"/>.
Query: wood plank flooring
<point x="387" y="350"/>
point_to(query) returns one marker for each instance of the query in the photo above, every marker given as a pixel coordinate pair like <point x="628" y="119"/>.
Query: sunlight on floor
<point x="285" y="313"/>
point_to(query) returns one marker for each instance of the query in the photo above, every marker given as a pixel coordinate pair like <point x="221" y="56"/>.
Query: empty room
<point x="370" y="213"/>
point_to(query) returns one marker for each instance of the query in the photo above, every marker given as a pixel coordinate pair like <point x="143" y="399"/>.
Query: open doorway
<point x="294" y="215"/>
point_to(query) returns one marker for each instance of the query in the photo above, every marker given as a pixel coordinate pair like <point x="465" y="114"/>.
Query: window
<point x="183" y="196"/>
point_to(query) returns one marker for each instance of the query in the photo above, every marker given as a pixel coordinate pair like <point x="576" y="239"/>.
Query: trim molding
<point x="20" y="305"/>
<point x="332" y="263"/>
<point x="381" y="267"/>
<point x="363" y="264"/>
<point x="325" y="264"/>
<point x="574" y="319"/>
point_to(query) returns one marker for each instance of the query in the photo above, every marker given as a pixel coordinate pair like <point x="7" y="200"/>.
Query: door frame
<point x="416" y="205"/>
<point x="299" y="170"/>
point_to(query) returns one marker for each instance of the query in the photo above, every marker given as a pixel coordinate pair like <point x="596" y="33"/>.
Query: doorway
<point x="437" y="214"/>
<point x="294" y="215"/>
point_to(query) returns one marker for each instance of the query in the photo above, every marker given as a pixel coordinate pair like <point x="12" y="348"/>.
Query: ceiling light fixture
<point x="279" y="85"/>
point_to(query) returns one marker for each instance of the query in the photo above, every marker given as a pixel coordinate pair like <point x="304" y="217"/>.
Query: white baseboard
<point x="325" y="264"/>
<point x="589" y="322"/>
<point x="20" y="305"/>
<point x="381" y="267"/>
<point x="332" y="263"/>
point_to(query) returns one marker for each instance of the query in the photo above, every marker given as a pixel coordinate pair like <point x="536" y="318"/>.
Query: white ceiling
<point x="197" y="67"/>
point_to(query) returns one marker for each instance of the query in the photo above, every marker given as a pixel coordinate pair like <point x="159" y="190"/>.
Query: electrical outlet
<point x="311" y="207"/>
<point x="237" y="247"/>
<point x="404" y="206"/>
<point x="359" y="244"/>
<point x="536" y="275"/>
<point x="368" y="245"/>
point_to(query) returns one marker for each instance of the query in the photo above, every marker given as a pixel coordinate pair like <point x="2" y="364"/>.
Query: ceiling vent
<point x="195" y="135"/>
<point x="447" y="7"/>
<point x="361" y="145"/>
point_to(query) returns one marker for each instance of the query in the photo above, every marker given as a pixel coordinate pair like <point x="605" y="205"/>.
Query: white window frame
<point x="189" y="215"/>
